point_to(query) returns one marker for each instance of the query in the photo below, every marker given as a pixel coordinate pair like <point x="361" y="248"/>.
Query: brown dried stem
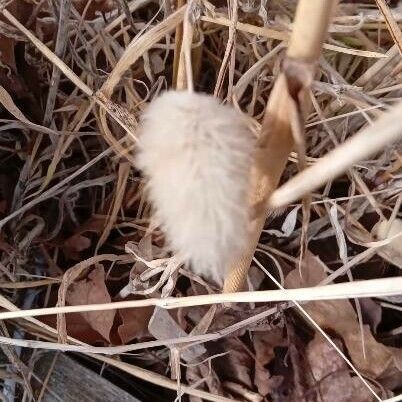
<point x="276" y="140"/>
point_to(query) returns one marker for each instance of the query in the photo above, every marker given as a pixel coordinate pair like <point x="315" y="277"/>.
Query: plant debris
<point x="77" y="227"/>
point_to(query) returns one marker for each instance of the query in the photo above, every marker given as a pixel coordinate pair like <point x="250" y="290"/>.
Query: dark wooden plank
<point x="71" y="382"/>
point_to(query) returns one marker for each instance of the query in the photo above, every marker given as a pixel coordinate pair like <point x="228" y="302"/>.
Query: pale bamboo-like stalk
<point x="178" y="39"/>
<point x="310" y="29"/>
<point x="384" y="287"/>
<point x="276" y="141"/>
<point x="184" y="76"/>
<point x="368" y="141"/>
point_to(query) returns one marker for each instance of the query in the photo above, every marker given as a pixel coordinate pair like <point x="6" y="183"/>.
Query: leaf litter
<point x="74" y="212"/>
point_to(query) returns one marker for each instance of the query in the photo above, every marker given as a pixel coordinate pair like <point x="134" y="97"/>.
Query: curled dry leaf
<point x="331" y="375"/>
<point x="157" y="63"/>
<point x="391" y="252"/>
<point x="265" y="342"/>
<point x="92" y="291"/>
<point x="288" y="225"/>
<point x="339" y="316"/>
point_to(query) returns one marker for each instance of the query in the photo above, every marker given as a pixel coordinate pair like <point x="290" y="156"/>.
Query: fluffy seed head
<point x="196" y="155"/>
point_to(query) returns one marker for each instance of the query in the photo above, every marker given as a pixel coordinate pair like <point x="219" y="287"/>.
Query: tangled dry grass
<point x="76" y="228"/>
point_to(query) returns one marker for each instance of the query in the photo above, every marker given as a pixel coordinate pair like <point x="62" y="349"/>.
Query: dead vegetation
<point x="76" y="228"/>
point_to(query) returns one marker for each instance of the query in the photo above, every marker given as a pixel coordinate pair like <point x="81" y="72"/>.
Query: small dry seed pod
<point x="196" y="155"/>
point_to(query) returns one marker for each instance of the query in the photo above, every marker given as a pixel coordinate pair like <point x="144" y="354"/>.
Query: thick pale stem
<point x="367" y="142"/>
<point x="310" y="29"/>
<point x="177" y="46"/>
<point x="184" y="79"/>
<point x="276" y="140"/>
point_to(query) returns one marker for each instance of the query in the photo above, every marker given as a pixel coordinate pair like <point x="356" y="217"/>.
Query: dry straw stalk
<point x="356" y="289"/>
<point x="276" y="141"/>
<point x="362" y="145"/>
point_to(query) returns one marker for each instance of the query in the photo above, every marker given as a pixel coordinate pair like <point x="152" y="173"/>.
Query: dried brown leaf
<point x="93" y="8"/>
<point x="76" y="243"/>
<point x="332" y="376"/>
<point x="68" y="279"/>
<point x="262" y="380"/>
<point x="134" y="323"/>
<point x="77" y="327"/>
<point x="92" y="291"/>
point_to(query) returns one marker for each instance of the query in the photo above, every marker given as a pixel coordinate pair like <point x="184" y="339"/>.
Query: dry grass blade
<point x="29" y="284"/>
<point x="138" y="46"/>
<point x="50" y="55"/>
<point x="391" y="23"/>
<point x="60" y="48"/>
<point x="396" y="398"/>
<point x="178" y="39"/>
<point x="120" y="114"/>
<point x="11" y="107"/>
<point x="106" y="350"/>
<point x="122" y="178"/>
<point x="132" y="53"/>
<point x="56" y="189"/>
<point x="284" y="36"/>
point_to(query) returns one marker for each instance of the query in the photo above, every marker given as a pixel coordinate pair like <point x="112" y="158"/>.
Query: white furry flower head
<point x="196" y="155"/>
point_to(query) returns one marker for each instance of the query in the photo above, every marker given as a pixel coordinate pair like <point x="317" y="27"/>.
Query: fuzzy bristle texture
<point x="196" y="155"/>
